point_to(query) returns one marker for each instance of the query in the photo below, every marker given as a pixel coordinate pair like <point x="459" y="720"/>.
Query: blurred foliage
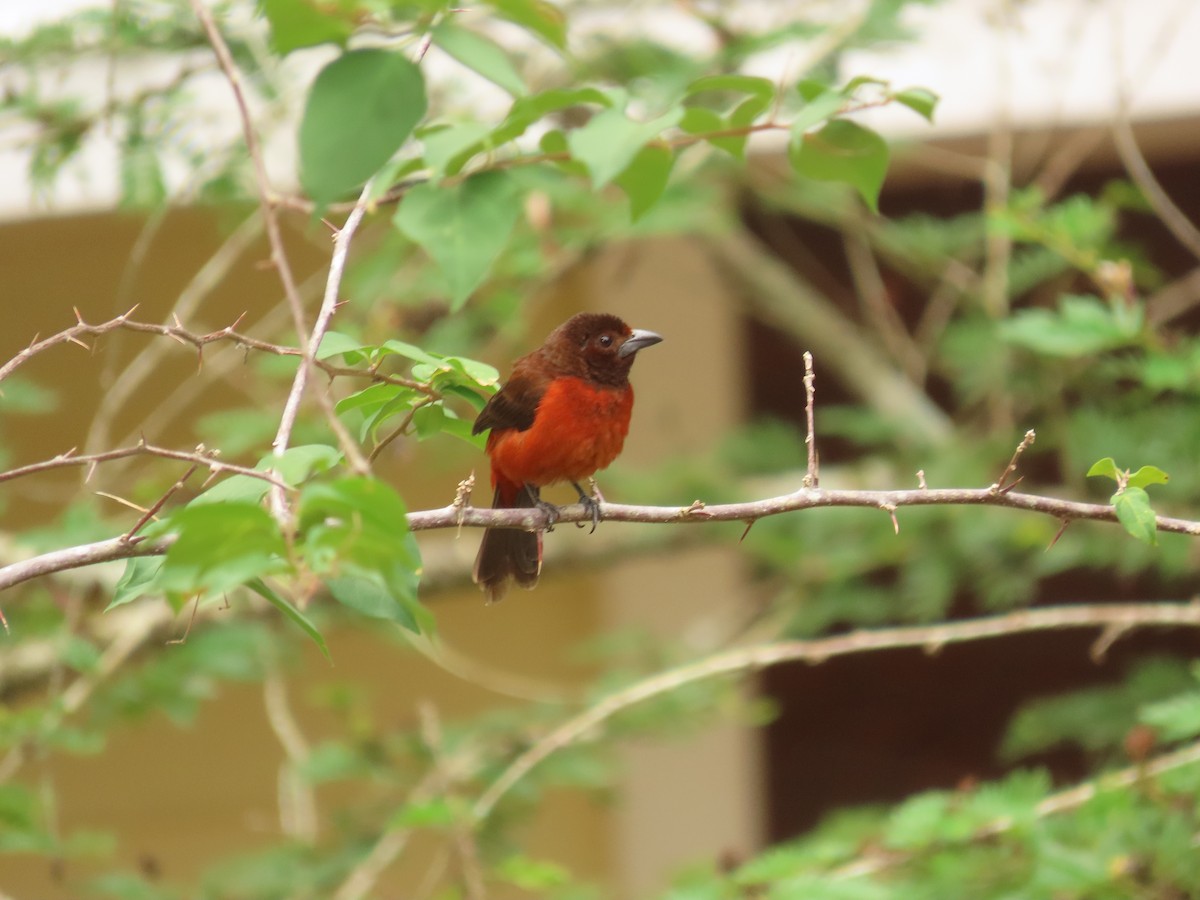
<point x="605" y="138"/>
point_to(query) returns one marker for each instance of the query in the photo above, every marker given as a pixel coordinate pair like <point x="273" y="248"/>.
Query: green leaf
<point x="463" y="227"/>
<point x="221" y="546"/>
<point x="447" y="149"/>
<point x="1105" y="468"/>
<point x="298" y="618"/>
<point x="369" y="594"/>
<point x="306" y="23"/>
<point x="434" y="813"/>
<point x="920" y="100"/>
<point x="762" y="88"/>
<point x="1081" y="326"/>
<point x="300" y="463"/>
<point x="355" y="519"/>
<point x="140" y="578"/>
<point x="234" y="489"/>
<point x="539" y="17"/>
<point x="1176" y="718"/>
<point x="609" y="142"/>
<point x="482" y="55"/>
<point x="527" y="110"/>
<point x="846" y="152"/>
<point x="360" y="110"/>
<point x="142" y="183"/>
<point x="815" y="111"/>
<point x="531" y="874"/>
<point x="335" y="343"/>
<point x="645" y="179"/>
<point x="1148" y="475"/>
<point x="1132" y="506"/>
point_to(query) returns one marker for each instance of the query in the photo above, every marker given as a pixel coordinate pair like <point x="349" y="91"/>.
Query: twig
<point x="760" y="656"/>
<point x="1026" y="442"/>
<point x="200" y="457"/>
<point x="309" y="346"/>
<point x="297" y="802"/>
<point x="812" y="477"/>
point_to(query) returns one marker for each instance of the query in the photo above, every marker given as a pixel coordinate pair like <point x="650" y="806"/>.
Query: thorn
<point x="78" y="315"/>
<point x="1009" y="487"/>
<point x="1103" y="644"/>
<point x="891" y="511"/>
<point x="121" y="500"/>
<point x="237" y="322"/>
<point x="921" y="480"/>
<point x="75" y="340"/>
<point x="175" y="319"/>
<point x="1058" y="534"/>
<point x="91" y="470"/>
<point x="199" y="358"/>
<point x="132" y="309"/>
<point x="749" y="525"/>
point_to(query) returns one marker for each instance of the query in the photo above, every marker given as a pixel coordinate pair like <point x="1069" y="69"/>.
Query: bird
<point x="562" y="415"/>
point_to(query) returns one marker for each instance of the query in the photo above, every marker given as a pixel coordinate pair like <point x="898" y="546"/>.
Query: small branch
<point x="199" y="457"/>
<point x="760" y="656"/>
<point x="329" y="304"/>
<point x="182" y="335"/>
<point x="812" y="477"/>
<point x="1026" y="442"/>
<point x="82" y="555"/>
<point x="297" y="802"/>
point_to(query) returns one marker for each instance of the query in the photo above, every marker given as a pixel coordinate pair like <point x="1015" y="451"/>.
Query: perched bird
<point x="562" y="416"/>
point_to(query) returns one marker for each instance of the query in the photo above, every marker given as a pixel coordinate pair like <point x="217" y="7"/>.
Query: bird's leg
<point x="535" y="500"/>
<point x="590" y="504"/>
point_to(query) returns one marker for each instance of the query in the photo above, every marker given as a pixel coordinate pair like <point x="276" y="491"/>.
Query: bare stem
<point x="759" y="656"/>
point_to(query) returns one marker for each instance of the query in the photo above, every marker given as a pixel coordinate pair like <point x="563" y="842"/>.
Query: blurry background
<point x="938" y="338"/>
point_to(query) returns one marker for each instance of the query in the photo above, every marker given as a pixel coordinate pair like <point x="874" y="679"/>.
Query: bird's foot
<point x="590" y="503"/>
<point x="552" y="512"/>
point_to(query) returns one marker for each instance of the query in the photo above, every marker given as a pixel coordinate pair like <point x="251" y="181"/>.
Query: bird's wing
<point x="514" y="405"/>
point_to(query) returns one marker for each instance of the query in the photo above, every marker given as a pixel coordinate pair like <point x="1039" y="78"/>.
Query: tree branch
<point x="1122" y="617"/>
<point x="535" y="519"/>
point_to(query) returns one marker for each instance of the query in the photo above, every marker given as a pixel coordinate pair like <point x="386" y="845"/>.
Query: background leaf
<point x="463" y="227"/>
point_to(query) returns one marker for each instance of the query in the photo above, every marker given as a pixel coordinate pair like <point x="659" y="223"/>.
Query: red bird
<point x="562" y="415"/>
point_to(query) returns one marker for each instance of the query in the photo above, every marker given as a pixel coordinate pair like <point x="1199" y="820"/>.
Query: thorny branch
<point x="181" y="335"/>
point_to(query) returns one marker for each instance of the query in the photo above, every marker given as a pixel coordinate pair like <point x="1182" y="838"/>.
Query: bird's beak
<point x="637" y="341"/>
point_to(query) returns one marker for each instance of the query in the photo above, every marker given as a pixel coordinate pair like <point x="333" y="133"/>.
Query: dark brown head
<point x="596" y="346"/>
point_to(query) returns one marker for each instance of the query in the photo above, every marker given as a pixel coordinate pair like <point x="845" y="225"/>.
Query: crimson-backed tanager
<point x="562" y="416"/>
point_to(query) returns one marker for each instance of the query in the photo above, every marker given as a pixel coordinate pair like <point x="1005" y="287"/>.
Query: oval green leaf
<point x="846" y="152"/>
<point x="1133" y="510"/>
<point x="360" y="109"/>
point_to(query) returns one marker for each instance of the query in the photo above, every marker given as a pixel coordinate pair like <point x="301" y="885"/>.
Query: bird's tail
<point x="509" y="553"/>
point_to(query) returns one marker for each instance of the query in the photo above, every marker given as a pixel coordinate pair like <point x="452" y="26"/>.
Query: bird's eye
<point x="605" y="340"/>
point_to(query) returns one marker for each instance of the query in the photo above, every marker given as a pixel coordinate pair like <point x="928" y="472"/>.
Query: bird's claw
<point x="589" y="503"/>
<point x="551" y="512"/>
